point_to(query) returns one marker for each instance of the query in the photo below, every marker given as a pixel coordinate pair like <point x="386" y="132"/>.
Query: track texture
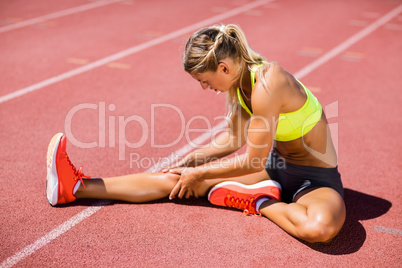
<point x="359" y="88"/>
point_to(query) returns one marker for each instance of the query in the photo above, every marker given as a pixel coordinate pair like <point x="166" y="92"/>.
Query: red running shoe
<point x="62" y="176"/>
<point x="244" y="197"/>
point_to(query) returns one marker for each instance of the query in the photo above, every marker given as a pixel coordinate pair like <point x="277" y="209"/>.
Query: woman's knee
<point x="326" y="215"/>
<point x="320" y="229"/>
<point x="168" y="180"/>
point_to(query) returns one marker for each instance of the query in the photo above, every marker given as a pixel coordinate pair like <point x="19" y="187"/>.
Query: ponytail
<point x="208" y="46"/>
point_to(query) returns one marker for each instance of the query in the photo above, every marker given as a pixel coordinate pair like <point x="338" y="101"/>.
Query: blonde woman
<point x="288" y="172"/>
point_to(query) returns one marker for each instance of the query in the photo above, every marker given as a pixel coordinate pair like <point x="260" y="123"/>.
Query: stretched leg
<point x="62" y="178"/>
<point x="135" y="188"/>
<point x="316" y="216"/>
<point x="139" y="188"/>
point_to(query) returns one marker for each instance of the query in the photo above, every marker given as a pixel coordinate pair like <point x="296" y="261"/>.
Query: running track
<point x="120" y="58"/>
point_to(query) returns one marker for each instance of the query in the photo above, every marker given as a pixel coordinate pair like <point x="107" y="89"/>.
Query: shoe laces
<point x="78" y="174"/>
<point x="246" y="205"/>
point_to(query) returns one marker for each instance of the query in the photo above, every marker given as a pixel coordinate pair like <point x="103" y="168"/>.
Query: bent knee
<point x="318" y="234"/>
<point x="320" y="231"/>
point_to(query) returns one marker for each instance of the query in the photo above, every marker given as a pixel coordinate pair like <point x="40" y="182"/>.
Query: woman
<point x="289" y="147"/>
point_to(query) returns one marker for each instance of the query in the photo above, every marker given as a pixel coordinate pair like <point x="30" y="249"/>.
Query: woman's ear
<point x="224" y="67"/>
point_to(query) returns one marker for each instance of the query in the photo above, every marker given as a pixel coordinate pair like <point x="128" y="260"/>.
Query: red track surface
<point x="360" y="87"/>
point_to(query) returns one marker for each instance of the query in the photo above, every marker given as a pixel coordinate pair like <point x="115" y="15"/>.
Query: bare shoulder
<point x="275" y="87"/>
<point x="277" y="78"/>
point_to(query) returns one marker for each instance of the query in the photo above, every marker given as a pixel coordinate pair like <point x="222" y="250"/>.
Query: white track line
<point x="44" y="240"/>
<point x="61" y="229"/>
<point x="86" y="213"/>
<point x="133" y="50"/>
<point x="349" y="42"/>
<point x="383" y="229"/>
<point x="57" y="14"/>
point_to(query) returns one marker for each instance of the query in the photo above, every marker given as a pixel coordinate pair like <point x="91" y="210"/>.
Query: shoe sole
<point x="259" y="185"/>
<point x="52" y="180"/>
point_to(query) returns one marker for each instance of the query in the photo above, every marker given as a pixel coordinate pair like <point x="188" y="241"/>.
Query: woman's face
<point x="221" y="80"/>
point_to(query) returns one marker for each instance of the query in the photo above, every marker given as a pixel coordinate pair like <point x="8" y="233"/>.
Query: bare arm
<point x="260" y="134"/>
<point x="227" y="142"/>
<point x="261" y="130"/>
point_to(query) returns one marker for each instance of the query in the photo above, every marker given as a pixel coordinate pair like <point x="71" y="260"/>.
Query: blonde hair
<point x="208" y="46"/>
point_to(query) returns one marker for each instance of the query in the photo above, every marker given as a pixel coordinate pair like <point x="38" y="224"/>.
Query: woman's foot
<point x="62" y="176"/>
<point x="244" y="197"/>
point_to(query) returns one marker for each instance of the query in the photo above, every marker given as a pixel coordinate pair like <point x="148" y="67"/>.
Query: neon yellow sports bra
<point x="295" y="124"/>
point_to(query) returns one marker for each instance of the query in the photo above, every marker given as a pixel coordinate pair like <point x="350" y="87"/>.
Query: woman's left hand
<point x="188" y="183"/>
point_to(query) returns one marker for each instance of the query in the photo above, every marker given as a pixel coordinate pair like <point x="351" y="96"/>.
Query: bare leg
<point x="139" y="188"/>
<point x="317" y="215"/>
<point x="136" y="188"/>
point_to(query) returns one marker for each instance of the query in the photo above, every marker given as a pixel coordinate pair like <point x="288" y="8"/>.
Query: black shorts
<point x="295" y="178"/>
